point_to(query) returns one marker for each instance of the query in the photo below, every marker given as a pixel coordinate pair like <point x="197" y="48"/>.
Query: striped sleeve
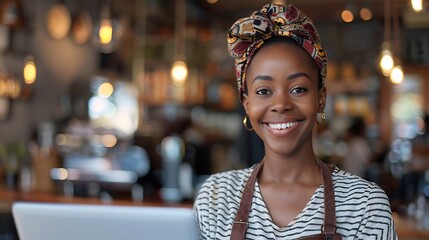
<point x="377" y="221"/>
<point x="362" y="208"/>
<point x="217" y="203"/>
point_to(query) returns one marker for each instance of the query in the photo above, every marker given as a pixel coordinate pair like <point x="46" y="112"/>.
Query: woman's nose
<point x="281" y="103"/>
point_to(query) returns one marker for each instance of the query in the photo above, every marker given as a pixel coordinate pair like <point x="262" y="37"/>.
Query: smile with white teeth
<point x="279" y="126"/>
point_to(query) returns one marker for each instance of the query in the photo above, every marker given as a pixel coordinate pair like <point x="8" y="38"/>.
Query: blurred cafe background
<point x="134" y="101"/>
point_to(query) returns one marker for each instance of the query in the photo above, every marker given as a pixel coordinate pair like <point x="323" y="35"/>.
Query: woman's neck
<point x="302" y="169"/>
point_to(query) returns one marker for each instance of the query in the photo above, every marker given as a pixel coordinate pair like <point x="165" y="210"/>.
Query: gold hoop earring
<point x="245" y="124"/>
<point x="321" y="117"/>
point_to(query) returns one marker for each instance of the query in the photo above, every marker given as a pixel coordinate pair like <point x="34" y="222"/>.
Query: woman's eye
<point x="298" y="90"/>
<point x="263" y="92"/>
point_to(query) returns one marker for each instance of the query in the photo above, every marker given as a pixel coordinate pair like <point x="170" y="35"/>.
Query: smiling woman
<point x="291" y="194"/>
<point x="283" y="91"/>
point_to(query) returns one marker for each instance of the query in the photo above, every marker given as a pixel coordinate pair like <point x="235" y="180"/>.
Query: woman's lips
<point x="282" y="128"/>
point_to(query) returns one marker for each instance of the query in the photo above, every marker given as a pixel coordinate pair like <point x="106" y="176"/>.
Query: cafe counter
<point x="8" y="197"/>
<point x="407" y="228"/>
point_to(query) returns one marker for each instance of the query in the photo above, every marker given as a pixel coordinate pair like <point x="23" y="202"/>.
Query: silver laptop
<point x="57" y="221"/>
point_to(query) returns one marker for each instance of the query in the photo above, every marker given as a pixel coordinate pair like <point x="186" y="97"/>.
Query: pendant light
<point x="349" y="12"/>
<point x="386" y="56"/>
<point x="58" y="21"/>
<point x="29" y="70"/>
<point x="108" y="31"/>
<point x="179" y="72"/>
<point x="179" y="69"/>
<point x="82" y="26"/>
<point x="386" y="59"/>
<point x="417" y="5"/>
<point x="365" y="14"/>
<point x="397" y="74"/>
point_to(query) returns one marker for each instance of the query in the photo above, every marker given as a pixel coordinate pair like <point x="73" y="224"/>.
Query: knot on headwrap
<point x="248" y="34"/>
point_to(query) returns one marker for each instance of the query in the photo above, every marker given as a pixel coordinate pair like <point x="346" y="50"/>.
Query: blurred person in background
<point x="359" y="153"/>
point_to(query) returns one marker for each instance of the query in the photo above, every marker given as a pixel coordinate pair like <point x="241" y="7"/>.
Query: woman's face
<point x="283" y="98"/>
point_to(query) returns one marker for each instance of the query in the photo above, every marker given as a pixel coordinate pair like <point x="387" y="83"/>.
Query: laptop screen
<point x="54" y="221"/>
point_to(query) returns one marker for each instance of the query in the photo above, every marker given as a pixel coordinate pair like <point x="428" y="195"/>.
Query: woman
<point x="281" y="68"/>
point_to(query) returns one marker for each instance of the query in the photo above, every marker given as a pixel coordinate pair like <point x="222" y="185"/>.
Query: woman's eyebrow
<point x="290" y="77"/>
<point x="296" y="75"/>
<point x="263" y="77"/>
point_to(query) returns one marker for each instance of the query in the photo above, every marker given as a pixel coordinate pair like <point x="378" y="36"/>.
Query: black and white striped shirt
<point x="362" y="209"/>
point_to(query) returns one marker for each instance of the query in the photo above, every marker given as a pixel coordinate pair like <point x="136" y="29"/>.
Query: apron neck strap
<point x="240" y="224"/>
<point x="330" y="222"/>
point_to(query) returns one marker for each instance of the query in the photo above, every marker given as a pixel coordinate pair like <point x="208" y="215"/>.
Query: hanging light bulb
<point x="30" y="70"/>
<point x="417" y="5"/>
<point x="397" y="75"/>
<point x="179" y="69"/>
<point x="105" y="31"/>
<point x="386" y="62"/>
<point x="108" y="32"/>
<point x="386" y="59"/>
<point x="365" y="14"/>
<point x="179" y="72"/>
<point x="348" y="13"/>
<point x="347" y="16"/>
<point x="105" y="90"/>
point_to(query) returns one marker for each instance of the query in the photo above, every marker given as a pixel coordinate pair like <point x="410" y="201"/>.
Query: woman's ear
<point x="245" y="103"/>
<point x="322" y="99"/>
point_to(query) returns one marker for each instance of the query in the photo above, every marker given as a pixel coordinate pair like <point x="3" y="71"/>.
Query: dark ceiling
<point x="318" y="10"/>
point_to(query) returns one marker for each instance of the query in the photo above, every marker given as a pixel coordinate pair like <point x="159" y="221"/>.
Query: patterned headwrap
<point x="248" y="34"/>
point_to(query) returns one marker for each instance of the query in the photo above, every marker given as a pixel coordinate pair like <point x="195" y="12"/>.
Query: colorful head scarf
<point x="248" y="34"/>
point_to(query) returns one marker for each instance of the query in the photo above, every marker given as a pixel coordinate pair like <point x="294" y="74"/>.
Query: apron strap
<point x="330" y="222"/>
<point x="240" y="224"/>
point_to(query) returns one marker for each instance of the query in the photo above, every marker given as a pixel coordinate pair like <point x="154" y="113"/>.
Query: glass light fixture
<point x="347" y="16"/>
<point x="386" y="62"/>
<point x="386" y="59"/>
<point x="105" y="90"/>
<point x="365" y="14"/>
<point x="179" y="72"/>
<point x="108" y="32"/>
<point x="349" y="11"/>
<point x="417" y="5"/>
<point x="397" y="75"/>
<point x="105" y="31"/>
<point x="179" y="69"/>
<point x="30" y="70"/>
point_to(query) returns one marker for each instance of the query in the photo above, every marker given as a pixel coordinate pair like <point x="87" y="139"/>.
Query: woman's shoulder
<point x="354" y="190"/>
<point x="231" y="177"/>
<point x="362" y="207"/>
<point x="224" y="185"/>
<point x="343" y="179"/>
<point x="222" y="191"/>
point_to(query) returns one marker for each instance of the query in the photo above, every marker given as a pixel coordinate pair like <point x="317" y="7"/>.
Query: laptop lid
<point x="59" y="221"/>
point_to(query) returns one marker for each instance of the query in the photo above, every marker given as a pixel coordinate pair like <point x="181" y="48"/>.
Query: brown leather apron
<point x="328" y="230"/>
